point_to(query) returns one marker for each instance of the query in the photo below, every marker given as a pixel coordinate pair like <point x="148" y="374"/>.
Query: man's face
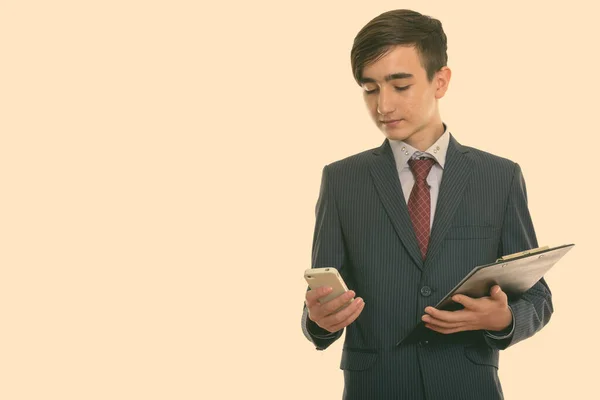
<point x="400" y="99"/>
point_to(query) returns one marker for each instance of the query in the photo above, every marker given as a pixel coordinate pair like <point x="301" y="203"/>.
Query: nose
<point x="384" y="103"/>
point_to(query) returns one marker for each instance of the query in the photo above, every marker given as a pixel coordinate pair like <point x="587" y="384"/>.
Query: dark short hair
<point x="400" y="27"/>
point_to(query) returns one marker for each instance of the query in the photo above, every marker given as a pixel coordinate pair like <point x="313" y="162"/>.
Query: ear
<point x="441" y="80"/>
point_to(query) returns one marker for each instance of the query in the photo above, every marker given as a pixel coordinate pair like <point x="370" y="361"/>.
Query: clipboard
<point x="514" y="273"/>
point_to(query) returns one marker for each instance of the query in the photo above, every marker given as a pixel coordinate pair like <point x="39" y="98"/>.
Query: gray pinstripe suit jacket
<point x="364" y="230"/>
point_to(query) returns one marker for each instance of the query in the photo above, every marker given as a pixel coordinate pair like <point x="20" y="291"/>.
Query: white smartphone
<point x="317" y="277"/>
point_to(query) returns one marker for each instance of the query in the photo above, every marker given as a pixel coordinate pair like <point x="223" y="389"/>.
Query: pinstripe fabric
<point x="363" y="229"/>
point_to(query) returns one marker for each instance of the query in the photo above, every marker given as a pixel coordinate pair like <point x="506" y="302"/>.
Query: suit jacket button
<point x="426" y="291"/>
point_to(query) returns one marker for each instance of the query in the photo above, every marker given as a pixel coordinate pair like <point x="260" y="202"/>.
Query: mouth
<point x="390" y="122"/>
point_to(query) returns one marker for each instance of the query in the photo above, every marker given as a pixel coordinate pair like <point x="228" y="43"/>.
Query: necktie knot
<point x="421" y="168"/>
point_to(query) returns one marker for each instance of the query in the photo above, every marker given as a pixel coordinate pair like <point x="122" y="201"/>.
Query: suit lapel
<point x="387" y="182"/>
<point x="456" y="175"/>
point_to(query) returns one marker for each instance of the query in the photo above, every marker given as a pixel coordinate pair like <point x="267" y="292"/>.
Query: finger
<point x="340" y="316"/>
<point x="334" y="304"/>
<point x="312" y="296"/>
<point x="352" y="317"/>
<point x="498" y="294"/>
<point x="449" y="316"/>
<point x="466" y="301"/>
<point x="447" y="331"/>
<point x="441" y="324"/>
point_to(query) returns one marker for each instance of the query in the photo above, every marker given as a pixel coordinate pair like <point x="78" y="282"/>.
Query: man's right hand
<point x="324" y="314"/>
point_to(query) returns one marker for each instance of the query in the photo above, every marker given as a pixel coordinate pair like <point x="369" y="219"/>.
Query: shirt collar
<point x="404" y="152"/>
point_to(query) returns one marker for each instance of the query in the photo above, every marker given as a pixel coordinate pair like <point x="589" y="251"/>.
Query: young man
<point x="405" y="222"/>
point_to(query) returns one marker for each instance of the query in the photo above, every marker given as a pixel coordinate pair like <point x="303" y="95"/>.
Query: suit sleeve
<point x="532" y="311"/>
<point x="328" y="250"/>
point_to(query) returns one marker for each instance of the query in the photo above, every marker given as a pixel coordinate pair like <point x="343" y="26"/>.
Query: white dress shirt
<point x="404" y="152"/>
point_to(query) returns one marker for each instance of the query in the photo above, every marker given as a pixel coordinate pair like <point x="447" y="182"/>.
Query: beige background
<point x="160" y="164"/>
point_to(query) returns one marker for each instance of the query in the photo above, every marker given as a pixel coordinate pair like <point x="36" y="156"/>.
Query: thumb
<point x="497" y="293"/>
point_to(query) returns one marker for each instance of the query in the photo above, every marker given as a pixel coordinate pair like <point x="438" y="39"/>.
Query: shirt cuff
<point x="499" y="335"/>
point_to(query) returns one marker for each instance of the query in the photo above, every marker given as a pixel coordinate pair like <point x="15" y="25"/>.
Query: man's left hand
<point x="488" y="313"/>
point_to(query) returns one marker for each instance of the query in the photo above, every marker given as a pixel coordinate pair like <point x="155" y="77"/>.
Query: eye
<point x="398" y="89"/>
<point x="370" y="88"/>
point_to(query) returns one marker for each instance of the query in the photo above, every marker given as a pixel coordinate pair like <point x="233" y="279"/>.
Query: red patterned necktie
<point x="419" y="202"/>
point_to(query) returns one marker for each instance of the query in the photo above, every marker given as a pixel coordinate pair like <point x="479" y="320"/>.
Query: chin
<point x="395" y="134"/>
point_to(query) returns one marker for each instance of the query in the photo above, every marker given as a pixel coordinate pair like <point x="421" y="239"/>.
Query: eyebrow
<point x="390" y="77"/>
